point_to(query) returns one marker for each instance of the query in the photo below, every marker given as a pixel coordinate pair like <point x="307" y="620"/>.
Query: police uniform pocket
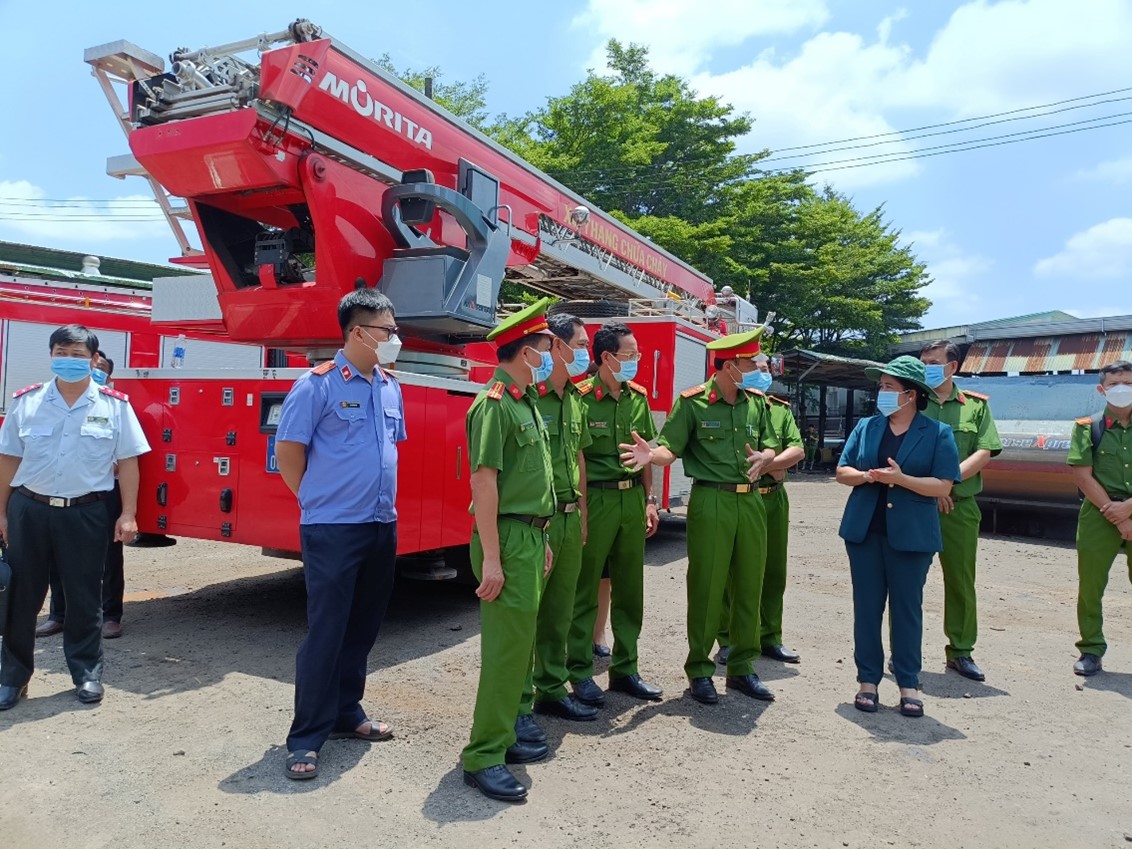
<point x="96" y="442"/>
<point x="392" y="423"/>
<point x="966" y="438"/>
<point x="348" y="425"/>
<point x="530" y="451"/>
<point x="36" y="432"/>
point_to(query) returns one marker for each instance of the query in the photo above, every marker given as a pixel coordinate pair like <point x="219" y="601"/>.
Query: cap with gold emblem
<point x="737" y="345"/>
<point x="525" y="322"/>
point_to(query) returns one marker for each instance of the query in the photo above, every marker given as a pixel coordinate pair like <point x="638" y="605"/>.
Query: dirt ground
<point x="185" y="751"/>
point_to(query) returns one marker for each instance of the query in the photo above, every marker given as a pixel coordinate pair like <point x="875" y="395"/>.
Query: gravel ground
<point x="186" y="748"/>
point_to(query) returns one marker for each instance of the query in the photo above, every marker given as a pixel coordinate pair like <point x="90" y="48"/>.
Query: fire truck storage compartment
<point x="26" y="358"/>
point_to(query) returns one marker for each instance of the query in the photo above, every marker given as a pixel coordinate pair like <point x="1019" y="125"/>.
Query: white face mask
<point x="1119" y="396"/>
<point x="388" y="350"/>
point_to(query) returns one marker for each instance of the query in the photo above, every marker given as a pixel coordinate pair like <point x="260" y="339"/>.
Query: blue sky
<point x="1005" y="230"/>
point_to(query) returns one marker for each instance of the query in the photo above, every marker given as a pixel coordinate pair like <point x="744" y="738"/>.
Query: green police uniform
<point x="1098" y="540"/>
<point x="777" y="526"/>
<point x="505" y="431"/>
<point x="726" y="518"/>
<point x="615" y="499"/>
<point x="565" y="421"/>
<point x="970" y="418"/>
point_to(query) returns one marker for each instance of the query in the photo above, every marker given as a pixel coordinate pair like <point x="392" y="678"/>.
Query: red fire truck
<point x="43" y="288"/>
<point x="309" y="171"/>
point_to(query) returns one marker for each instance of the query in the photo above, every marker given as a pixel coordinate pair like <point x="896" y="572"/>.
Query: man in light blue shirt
<point x="58" y="447"/>
<point x="337" y="451"/>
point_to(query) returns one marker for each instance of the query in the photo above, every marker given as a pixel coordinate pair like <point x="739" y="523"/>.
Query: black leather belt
<point x="539" y="522"/>
<point x="728" y="487"/>
<point x="567" y="506"/>
<point x="767" y="490"/>
<point x="55" y="501"/>
<point x="625" y="484"/>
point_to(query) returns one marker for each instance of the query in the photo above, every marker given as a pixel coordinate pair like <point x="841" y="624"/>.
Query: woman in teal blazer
<point x="898" y="463"/>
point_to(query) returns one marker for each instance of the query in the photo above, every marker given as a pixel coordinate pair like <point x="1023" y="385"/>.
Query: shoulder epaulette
<point x="638" y="388"/>
<point x="585" y="387"/>
<point x="114" y="393"/>
<point x="324" y="368"/>
<point x="758" y="392"/>
<point x="26" y="390"/>
<point x="693" y="391"/>
<point x="978" y="395"/>
<point x="496" y="391"/>
<point x="778" y="400"/>
<point x="1085" y="420"/>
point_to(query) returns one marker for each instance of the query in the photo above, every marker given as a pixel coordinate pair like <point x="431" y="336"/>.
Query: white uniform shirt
<point x="70" y="451"/>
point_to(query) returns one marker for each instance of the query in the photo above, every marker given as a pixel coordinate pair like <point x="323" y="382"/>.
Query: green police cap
<point x="526" y="321"/>
<point x="906" y="368"/>
<point x="736" y="345"/>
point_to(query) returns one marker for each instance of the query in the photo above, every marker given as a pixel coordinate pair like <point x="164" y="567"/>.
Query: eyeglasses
<point x="628" y="358"/>
<point x="391" y="330"/>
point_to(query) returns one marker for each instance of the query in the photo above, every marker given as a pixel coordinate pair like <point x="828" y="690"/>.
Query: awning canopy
<point x="1083" y="352"/>
<point x="817" y="369"/>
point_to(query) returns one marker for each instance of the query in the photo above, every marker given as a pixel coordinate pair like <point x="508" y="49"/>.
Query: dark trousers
<point x="882" y="574"/>
<point x="349" y="575"/>
<point x="71" y="540"/>
<point x="113" y="576"/>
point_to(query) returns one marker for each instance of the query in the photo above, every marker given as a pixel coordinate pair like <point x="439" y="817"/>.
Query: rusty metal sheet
<point x="1084" y="352"/>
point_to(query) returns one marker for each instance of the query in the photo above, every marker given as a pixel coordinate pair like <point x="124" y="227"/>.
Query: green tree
<point x="638" y="143"/>
<point x="465" y="100"/>
<point x="840" y="281"/>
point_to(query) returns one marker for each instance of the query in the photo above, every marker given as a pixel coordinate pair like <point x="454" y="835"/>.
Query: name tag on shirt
<point x="599" y="425"/>
<point x="349" y="405"/>
<point x="711" y="424"/>
<point x="102" y="420"/>
<point x="547" y="420"/>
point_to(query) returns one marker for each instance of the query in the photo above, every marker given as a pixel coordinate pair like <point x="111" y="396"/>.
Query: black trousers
<point x="71" y="540"/>
<point x="113" y="576"/>
<point x="349" y="573"/>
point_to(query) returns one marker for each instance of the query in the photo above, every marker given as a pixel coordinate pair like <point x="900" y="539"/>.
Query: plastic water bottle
<point x="179" y="352"/>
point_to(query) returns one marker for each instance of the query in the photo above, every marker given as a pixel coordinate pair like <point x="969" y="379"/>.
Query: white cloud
<point x="681" y="36"/>
<point x="1115" y="171"/>
<point x="26" y="214"/>
<point x="988" y="57"/>
<point x="1103" y="252"/>
<point x="958" y="277"/>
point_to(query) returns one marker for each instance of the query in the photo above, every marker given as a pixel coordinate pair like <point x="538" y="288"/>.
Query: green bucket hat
<point x="906" y="368"/>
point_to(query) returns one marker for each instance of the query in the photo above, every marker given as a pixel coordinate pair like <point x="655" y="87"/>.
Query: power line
<point x="960" y="121"/>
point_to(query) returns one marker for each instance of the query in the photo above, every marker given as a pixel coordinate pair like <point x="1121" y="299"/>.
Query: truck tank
<point x="1035" y="415"/>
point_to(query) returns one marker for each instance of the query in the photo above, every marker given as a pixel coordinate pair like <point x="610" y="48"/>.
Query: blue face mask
<point x="543" y="370"/>
<point x="627" y="372"/>
<point x="99" y="376"/>
<point x="888" y="402"/>
<point x="759" y="380"/>
<point x="935" y="375"/>
<point x="70" y="369"/>
<point x="581" y="362"/>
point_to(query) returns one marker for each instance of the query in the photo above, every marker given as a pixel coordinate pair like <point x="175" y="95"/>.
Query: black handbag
<point x="5" y="591"/>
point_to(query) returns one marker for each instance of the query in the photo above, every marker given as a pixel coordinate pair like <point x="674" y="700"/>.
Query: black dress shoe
<point x="750" y="685"/>
<point x="967" y="668"/>
<point x="49" y="628"/>
<point x="589" y="693"/>
<point x="1087" y="664"/>
<point x="10" y="695"/>
<point x="635" y="687"/>
<point x="496" y="782"/>
<point x="89" y="692"/>
<point x="601" y="651"/>
<point x="525" y="753"/>
<point x="703" y="691"/>
<point x="722" y="655"/>
<point x="567" y="708"/>
<point x="528" y="731"/>
<point x="782" y="653"/>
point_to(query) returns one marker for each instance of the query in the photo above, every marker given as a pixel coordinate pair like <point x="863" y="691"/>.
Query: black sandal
<point x="911" y="707"/>
<point x="296" y="758"/>
<point x="866" y="701"/>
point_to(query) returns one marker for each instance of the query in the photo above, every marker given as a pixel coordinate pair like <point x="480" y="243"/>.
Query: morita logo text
<point x="359" y="99"/>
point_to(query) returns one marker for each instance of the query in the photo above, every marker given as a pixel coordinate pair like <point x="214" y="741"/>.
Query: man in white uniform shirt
<point x="58" y="447"/>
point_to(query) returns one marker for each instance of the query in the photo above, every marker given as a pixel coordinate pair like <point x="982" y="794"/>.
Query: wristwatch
<point x="652" y="499"/>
